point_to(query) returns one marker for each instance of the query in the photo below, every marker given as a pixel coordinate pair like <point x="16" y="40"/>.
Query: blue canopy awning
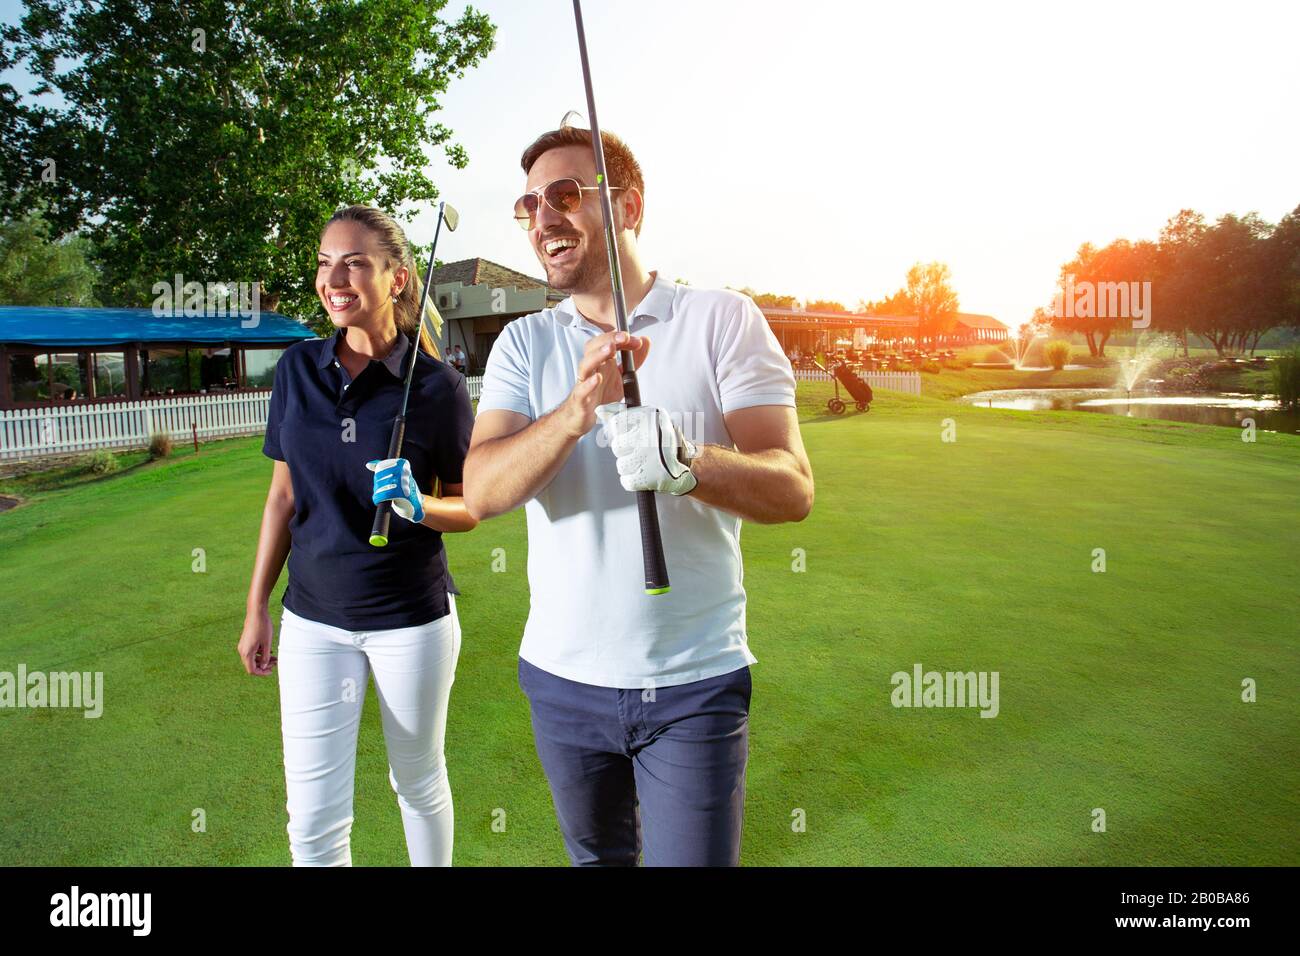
<point x="80" y="328"/>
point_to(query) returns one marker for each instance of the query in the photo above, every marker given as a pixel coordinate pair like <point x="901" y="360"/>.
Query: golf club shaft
<point x="652" y="547"/>
<point x="384" y="510"/>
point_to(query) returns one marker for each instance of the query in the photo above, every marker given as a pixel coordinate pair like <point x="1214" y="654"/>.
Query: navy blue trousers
<point x="652" y="774"/>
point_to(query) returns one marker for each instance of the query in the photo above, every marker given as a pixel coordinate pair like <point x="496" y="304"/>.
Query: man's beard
<point x="592" y="269"/>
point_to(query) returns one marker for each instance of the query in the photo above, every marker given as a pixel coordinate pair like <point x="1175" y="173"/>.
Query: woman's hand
<point x="394" y="482"/>
<point x="255" y="643"/>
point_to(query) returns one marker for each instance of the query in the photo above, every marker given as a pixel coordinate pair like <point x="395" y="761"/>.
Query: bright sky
<point x="818" y="149"/>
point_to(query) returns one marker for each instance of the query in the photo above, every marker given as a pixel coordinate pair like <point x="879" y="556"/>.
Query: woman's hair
<point x="397" y="250"/>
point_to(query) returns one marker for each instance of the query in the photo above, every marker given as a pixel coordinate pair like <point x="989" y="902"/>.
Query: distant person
<point x="458" y="359"/>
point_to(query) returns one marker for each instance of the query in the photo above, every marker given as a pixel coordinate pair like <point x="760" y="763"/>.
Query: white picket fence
<point x="909" y="382"/>
<point x="62" y="429"/>
<point x="65" y="429"/>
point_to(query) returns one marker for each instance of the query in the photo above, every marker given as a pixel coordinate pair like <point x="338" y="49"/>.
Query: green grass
<point x="1118" y="690"/>
<point x="67" y="473"/>
<point x="952" y="382"/>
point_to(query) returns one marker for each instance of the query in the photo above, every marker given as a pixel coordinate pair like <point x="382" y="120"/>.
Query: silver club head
<point x="450" y="216"/>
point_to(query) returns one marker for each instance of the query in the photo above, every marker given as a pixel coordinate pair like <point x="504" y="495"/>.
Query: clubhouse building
<point x="824" y="331"/>
<point x="56" y="355"/>
<point x="60" y="355"/>
<point x="477" y="297"/>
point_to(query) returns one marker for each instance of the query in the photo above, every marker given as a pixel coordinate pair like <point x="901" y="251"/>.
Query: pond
<point x="1223" y="408"/>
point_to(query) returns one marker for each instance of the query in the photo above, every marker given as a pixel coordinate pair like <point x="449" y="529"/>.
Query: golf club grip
<point x="384" y="510"/>
<point x="652" y="542"/>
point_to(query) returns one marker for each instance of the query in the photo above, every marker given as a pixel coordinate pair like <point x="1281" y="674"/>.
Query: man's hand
<point x="652" y="452"/>
<point x="600" y="380"/>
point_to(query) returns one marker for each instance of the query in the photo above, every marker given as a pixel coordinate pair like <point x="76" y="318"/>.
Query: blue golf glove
<point x="394" y="482"/>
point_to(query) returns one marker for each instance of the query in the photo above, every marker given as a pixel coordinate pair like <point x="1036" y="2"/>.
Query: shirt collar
<point x="658" y="303"/>
<point x="393" y="361"/>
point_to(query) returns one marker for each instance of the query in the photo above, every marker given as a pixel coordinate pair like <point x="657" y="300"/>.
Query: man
<point x="639" y="703"/>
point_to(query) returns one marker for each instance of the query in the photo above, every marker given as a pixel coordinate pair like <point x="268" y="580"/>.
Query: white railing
<point x="909" y="382"/>
<point x="65" y="429"/>
<point x="61" y="429"/>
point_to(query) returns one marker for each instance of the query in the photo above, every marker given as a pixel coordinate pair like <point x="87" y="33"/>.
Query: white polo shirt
<point x="590" y="620"/>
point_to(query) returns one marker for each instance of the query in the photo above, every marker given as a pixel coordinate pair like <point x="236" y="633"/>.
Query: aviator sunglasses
<point x="562" y="195"/>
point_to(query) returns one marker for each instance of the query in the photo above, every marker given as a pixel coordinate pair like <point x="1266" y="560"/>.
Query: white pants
<point x="323" y="674"/>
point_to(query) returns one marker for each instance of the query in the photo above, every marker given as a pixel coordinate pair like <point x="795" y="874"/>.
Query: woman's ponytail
<point x="406" y="311"/>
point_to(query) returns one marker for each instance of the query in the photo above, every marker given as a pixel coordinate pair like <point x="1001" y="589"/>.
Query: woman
<point x="351" y="609"/>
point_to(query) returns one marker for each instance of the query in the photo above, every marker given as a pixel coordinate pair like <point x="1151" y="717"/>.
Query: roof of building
<point x="848" y="318"/>
<point x="855" y="319"/>
<point x="976" y="321"/>
<point x="74" y="326"/>
<point x="489" y="273"/>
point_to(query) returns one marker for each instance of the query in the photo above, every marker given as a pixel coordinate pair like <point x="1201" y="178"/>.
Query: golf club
<point x="652" y="547"/>
<point x="384" y="512"/>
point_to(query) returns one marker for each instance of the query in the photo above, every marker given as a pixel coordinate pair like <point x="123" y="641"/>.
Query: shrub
<point x="931" y="367"/>
<point x="101" y="463"/>
<point x="1286" y="377"/>
<point x="997" y="355"/>
<point x="160" y="445"/>
<point x="963" y="360"/>
<point x="1058" y="353"/>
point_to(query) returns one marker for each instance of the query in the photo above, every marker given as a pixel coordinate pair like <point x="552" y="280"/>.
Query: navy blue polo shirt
<point x="326" y="426"/>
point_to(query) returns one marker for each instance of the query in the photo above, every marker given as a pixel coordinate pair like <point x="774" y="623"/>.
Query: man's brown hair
<point x="620" y="164"/>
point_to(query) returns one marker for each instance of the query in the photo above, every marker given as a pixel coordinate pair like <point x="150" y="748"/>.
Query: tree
<point x="1040" y="323"/>
<point x="12" y="126"/>
<point x="1238" y="300"/>
<point x="1175" y="281"/>
<point x="899" y="304"/>
<point x="824" y="305"/>
<point x="933" y="301"/>
<point x="1284" y="266"/>
<point x="213" y="138"/>
<point x="1101" y="290"/>
<point x="770" y="300"/>
<point x="35" y="270"/>
<point x="1230" y="283"/>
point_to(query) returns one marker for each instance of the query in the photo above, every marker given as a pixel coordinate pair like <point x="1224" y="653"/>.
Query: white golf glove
<point x="652" y="452"/>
